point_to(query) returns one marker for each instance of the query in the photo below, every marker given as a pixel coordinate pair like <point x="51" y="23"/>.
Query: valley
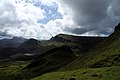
<point x="63" y="57"/>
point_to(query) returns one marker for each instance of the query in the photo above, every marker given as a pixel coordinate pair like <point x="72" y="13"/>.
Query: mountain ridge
<point x="104" y="55"/>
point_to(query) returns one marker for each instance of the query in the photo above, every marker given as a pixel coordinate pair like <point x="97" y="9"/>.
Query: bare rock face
<point x="117" y="28"/>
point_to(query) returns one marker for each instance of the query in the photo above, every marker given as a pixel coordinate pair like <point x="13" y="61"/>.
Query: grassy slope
<point x="107" y="73"/>
<point x="106" y="54"/>
<point x="12" y="70"/>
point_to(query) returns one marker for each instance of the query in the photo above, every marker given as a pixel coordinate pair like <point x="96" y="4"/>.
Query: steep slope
<point x="51" y="60"/>
<point x="106" y="54"/>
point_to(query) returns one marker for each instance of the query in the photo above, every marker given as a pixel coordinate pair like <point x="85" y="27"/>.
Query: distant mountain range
<point x="14" y="42"/>
<point x="19" y="46"/>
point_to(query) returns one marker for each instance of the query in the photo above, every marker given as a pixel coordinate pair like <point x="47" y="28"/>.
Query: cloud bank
<point x="42" y="19"/>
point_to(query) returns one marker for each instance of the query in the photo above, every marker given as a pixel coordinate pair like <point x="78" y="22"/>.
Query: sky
<point x="43" y="19"/>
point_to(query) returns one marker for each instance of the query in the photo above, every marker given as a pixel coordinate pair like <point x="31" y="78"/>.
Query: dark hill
<point x="29" y="46"/>
<point x="26" y="51"/>
<point x="8" y="46"/>
<point x="51" y="60"/>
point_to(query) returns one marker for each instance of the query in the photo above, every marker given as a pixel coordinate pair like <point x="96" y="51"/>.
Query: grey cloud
<point x="94" y="15"/>
<point x="79" y="30"/>
<point x="9" y="16"/>
<point x="88" y="11"/>
<point x="115" y="8"/>
<point x="5" y="35"/>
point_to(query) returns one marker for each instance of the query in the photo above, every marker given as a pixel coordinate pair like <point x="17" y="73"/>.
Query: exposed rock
<point x="72" y="79"/>
<point x="84" y="72"/>
<point x="96" y="75"/>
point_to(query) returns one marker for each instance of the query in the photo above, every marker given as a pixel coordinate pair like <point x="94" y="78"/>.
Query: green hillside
<point x="107" y="73"/>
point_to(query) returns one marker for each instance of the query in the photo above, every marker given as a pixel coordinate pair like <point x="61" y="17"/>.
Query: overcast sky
<point x="42" y="19"/>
